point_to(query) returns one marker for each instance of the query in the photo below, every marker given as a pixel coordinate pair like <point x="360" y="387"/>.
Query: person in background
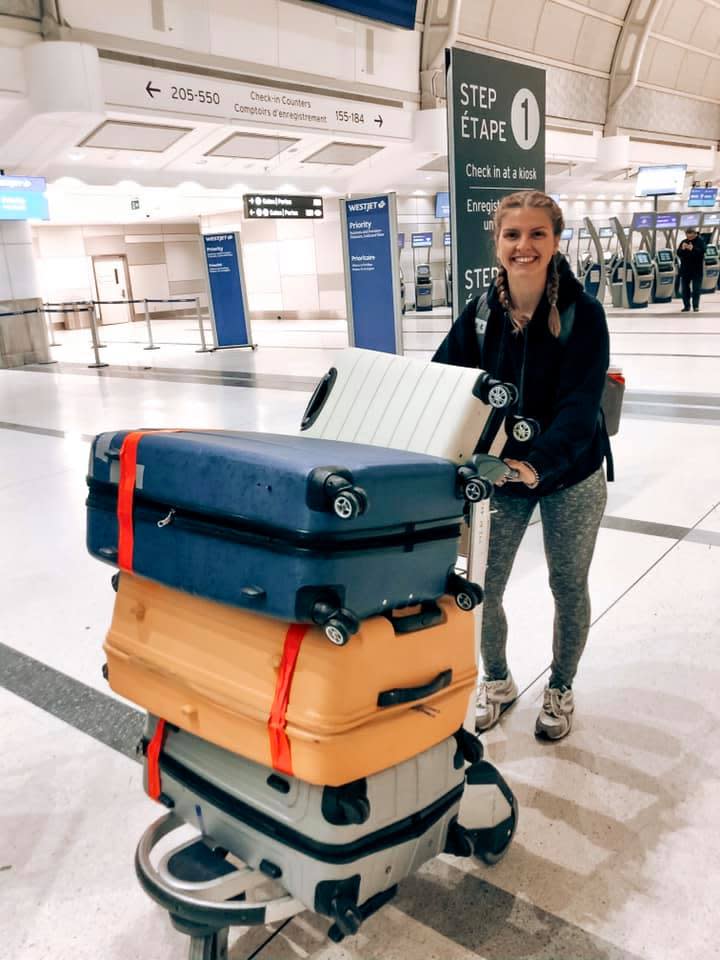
<point x="560" y="381"/>
<point x="692" y="260"/>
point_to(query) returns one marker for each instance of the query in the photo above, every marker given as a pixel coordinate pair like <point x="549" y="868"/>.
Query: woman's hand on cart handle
<point x="522" y="472"/>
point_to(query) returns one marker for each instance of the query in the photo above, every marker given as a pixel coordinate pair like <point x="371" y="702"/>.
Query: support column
<point x="23" y="337"/>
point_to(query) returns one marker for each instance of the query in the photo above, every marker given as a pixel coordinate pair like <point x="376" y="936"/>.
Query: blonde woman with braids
<point x="560" y="379"/>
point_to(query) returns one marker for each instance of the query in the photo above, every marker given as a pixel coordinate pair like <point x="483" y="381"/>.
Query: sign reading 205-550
<point x="130" y="85"/>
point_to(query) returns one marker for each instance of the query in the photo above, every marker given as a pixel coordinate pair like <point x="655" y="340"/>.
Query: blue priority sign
<point x="226" y="291"/>
<point x="370" y="248"/>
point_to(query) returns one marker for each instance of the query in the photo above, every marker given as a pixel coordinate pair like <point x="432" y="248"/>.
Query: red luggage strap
<point x="153" y="761"/>
<point x="280" y="753"/>
<point x="126" y="495"/>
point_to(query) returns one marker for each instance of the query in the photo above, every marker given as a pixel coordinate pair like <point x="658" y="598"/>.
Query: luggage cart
<point x="204" y="891"/>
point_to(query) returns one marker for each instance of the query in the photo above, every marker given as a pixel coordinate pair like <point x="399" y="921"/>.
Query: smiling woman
<point x="547" y="336"/>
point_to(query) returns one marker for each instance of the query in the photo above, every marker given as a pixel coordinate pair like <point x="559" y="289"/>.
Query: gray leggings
<point x="570" y="522"/>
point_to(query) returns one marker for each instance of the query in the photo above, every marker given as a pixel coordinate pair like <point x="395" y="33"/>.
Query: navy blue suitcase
<point x="298" y="528"/>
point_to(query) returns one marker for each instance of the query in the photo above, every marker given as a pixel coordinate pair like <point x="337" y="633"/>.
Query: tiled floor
<point x="617" y="845"/>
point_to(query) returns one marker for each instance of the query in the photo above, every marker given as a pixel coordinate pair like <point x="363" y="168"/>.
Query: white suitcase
<point x="391" y="401"/>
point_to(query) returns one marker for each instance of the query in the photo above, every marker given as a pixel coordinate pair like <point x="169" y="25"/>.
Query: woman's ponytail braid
<point x="501" y="286"/>
<point x="551" y="292"/>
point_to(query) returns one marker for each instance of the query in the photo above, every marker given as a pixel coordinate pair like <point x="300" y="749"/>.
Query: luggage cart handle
<point x="391" y="698"/>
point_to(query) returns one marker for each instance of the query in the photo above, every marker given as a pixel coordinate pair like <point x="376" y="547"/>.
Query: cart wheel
<point x="468" y="595"/>
<point x="477" y="489"/>
<point x="458" y="843"/>
<point x="212" y="947"/>
<point x="491" y="857"/>
<point x="347" y="917"/>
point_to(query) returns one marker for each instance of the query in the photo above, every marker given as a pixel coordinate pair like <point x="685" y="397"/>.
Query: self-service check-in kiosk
<point x="448" y="269"/>
<point x="663" y="286"/>
<point x="632" y="274"/>
<point x="591" y="269"/>
<point x="711" y="226"/>
<point x="423" y="278"/>
<point x="711" y="269"/>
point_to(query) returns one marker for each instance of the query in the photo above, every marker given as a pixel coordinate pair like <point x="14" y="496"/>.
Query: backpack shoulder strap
<point x="482" y="315"/>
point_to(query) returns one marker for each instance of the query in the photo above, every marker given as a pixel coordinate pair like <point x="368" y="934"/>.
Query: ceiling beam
<point x="629" y="51"/>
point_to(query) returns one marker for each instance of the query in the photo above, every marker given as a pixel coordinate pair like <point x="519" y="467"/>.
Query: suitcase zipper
<point x="104" y="497"/>
<point x="409" y="828"/>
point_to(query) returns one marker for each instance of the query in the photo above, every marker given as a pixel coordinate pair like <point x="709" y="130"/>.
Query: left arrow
<point x="151" y="89"/>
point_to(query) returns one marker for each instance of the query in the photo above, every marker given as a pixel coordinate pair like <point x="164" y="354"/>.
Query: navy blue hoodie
<point x="563" y="382"/>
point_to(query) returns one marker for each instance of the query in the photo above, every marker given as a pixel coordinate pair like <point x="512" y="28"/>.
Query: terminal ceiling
<point x="644" y="69"/>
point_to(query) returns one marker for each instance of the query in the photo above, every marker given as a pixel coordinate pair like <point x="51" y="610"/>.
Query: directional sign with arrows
<point x="128" y="85"/>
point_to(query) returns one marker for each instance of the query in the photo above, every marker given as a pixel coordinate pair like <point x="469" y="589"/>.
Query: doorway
<point x="112" y="282"/>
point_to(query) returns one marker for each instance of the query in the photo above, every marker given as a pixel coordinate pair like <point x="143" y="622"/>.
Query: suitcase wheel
<point x="468" y="595"/>
<point x="349" y="503"/>
<point x="495" y="393"/>
<point x="115" y="581"/>
<point x="339" y="629"/>
<point x="355" y="810"/>
<point x="471" y="486"/>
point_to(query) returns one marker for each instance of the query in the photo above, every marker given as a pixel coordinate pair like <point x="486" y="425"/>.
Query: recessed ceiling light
<point x="75" y="155"/>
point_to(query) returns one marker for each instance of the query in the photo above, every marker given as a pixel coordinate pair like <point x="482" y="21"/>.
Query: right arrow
<point x="150" y="89"/>
<point x="379" y="120"/>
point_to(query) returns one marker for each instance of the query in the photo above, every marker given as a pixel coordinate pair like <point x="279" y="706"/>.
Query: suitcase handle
<point x="429" y="615"/>
<point x="391" y="698"/>
<point x="317" y="400"/>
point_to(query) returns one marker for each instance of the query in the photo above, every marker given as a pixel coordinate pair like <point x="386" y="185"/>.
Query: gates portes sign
<point x="496" y="139"/>
<point x="282" y="207"/>
<point x="372" y="286"/>
<point x="227" y="291"/>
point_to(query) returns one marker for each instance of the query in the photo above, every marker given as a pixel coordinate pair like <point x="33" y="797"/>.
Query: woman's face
<point x="526" y="243"/>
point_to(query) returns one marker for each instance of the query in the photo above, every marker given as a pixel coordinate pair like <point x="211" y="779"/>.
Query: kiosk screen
<point x="567" y="233"/>
<point x="605" y="232"/>
<point x="664" y="256"/>
<point x="642" y="259"/>
<point x="711" y="251"/>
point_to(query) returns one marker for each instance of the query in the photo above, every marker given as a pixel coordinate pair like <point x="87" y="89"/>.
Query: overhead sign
<point x="23" y="198"/>
<point x="421" y="239"/>
<point x="447" y="239"/>
<point x="496" y="138"/>
<point x="643" y="221"/>
<point x="702" y="196"/>
<point x="278" y="207"/>
<point x="165" y="91"/>
<point x="401" y="13"/>
<point x="229" y="310"/>
<point x="667" y="221"/>
<point x="711" y="219"/>
<point x="371" y="282"/>
<point x="442" y="205"/>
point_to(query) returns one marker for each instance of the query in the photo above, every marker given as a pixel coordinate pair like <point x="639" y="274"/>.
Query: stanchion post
<point x="151" y="345"/>
<point x="204" y="348"/>
<point x="93" y="332"/>
<point x="48" y="324"/>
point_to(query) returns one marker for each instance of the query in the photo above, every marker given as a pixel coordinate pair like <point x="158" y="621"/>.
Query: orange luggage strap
<point x="153" y="761"/>
<point x="126" y="495"/>
<point x="280" y="753"/>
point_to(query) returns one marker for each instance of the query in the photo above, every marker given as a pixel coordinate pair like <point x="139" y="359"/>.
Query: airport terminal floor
<point x="615" y="857"/>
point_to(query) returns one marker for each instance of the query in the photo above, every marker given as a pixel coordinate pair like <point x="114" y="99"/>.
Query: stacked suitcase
<point x="289" y="615"/>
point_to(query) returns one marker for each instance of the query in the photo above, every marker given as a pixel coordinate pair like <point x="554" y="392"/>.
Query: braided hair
<point x="538" y="201"/>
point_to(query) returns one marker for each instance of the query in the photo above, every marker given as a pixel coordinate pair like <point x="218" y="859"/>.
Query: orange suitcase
<point x="286" y="697"/>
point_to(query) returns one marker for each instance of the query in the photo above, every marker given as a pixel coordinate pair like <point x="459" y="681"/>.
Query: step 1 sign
<point x="229" y="310"/>
<point x="496" y="137"/>
<point x="372" y="285"/>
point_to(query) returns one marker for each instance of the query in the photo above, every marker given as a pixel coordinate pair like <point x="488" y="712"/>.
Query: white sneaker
<point x="555" y="719"/>
<point x="492" y="696"/>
